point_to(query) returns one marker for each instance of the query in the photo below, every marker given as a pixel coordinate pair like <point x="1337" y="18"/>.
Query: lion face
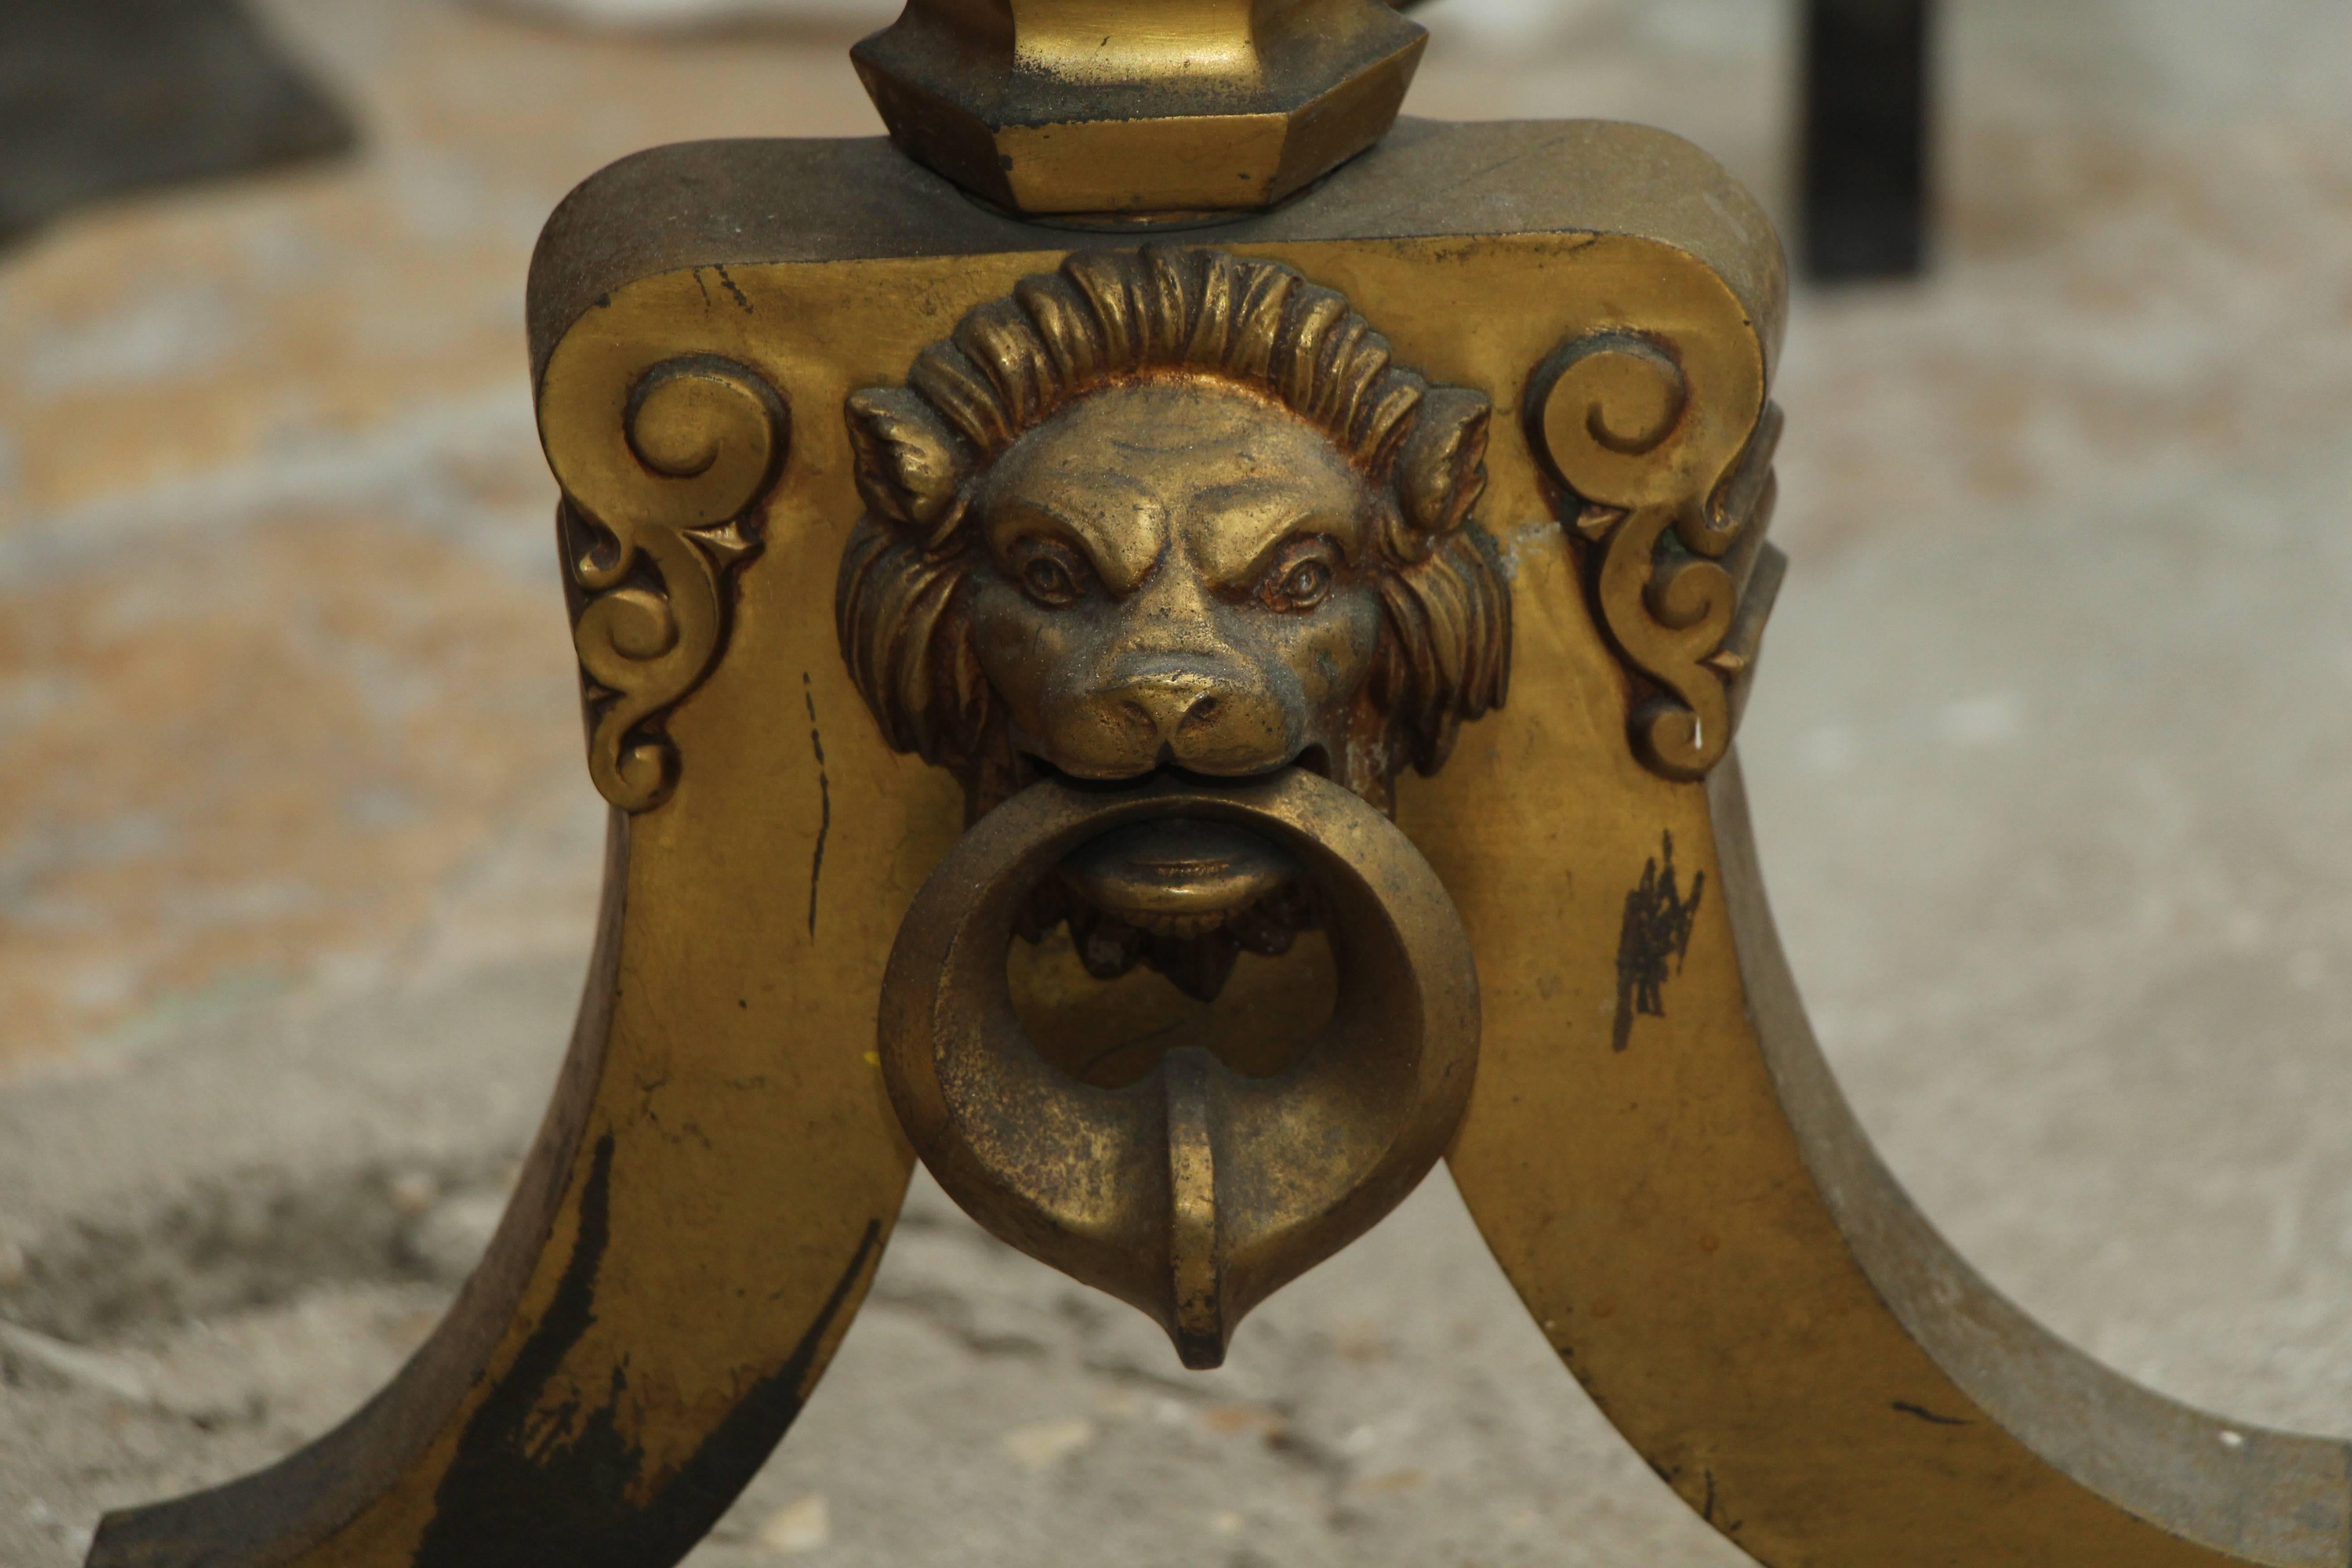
<point x="1176" y="573"/>
<point x="1171" y="509"/>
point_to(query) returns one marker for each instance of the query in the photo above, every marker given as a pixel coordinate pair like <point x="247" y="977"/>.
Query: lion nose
<point x="1167" y="705"/>
<point x="1200" y="722"/>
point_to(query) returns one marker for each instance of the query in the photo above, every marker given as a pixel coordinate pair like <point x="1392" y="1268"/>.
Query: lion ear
<point x="1442" y="468"/>
<point x="909" y="469"/>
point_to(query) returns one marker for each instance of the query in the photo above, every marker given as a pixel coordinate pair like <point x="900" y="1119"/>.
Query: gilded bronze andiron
<point x="1169" y="643"/>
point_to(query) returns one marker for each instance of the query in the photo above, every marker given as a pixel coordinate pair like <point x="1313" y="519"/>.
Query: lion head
<point x="1171" y="508"/>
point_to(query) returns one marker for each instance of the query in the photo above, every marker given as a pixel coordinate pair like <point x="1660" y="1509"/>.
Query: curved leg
<point x="1709" y="1242"/>
<point x="696" y="1228"/>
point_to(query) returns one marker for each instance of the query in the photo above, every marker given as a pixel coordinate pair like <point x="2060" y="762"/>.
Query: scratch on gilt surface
<point x="824" y="799"/>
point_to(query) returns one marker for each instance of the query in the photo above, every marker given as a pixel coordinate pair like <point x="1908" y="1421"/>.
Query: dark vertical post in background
<point x="1866" y="108"/>
<point x="101" y="97"/>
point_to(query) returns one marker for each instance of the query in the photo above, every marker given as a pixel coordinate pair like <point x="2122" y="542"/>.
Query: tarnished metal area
<point x="1195" y="1191"/>
<point x="1156" y="518"/>
<point x="1178" y="737"/>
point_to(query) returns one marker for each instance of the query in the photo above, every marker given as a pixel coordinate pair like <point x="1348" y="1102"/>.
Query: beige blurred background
<point x="297" y="856"/>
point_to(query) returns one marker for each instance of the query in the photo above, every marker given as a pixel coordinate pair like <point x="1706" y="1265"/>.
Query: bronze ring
<point x="1195" y="1193"/>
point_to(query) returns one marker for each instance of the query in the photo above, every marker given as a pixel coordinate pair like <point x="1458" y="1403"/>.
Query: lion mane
<point x="1107" y="318"/>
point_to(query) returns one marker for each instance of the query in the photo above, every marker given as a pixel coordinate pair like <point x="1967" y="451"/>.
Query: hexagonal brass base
<point x="1043" y="107"/>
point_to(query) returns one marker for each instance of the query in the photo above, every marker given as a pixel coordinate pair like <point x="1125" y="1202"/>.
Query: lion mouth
<point x="1314" y="757"/>
<point x="1177" y="876"/>
<point x="1183" y="895"/>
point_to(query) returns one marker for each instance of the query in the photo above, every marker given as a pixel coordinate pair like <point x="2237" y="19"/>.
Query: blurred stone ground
<point x="297" y="858"/>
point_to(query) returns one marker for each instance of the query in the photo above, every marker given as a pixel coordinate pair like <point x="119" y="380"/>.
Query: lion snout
<point x="1206" y="722"/>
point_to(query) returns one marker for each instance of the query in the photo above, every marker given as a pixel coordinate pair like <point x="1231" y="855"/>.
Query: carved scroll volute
<point x="661" y="489"/>
<point x="1669" y="479"/>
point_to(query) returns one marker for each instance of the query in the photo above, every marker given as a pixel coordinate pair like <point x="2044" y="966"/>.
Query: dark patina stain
<point x="1924" y="1414"/>
<point x="1651" y="944"/>
<point x="729" y="283"/>
<point x="1712" y="1506"/>
<point x="533" y="1493"/>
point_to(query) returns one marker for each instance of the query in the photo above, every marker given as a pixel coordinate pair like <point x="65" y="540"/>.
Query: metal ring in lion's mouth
<point x="1195" y="1193"/>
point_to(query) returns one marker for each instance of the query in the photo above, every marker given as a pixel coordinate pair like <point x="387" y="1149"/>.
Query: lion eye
<point x="1048" y="575"/>
<point x="1047" y="579"/>
<point x="1300" y="581"/>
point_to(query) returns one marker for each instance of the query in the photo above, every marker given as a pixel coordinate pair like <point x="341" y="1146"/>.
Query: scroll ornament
<point x="649" y="559"/>
<point x="1680" y="571"/>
